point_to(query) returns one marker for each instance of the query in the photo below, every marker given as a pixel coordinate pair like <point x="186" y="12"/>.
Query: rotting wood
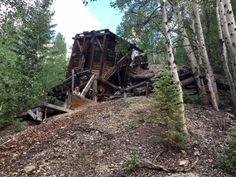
<point x="78" y="101"/>
<point x="137" y="85"/>
<point x="55" y="107"/>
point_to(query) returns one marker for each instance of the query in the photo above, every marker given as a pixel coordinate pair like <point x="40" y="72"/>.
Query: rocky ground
<point x="99" y="140"/>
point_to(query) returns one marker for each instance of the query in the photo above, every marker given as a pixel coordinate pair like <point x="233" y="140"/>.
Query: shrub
<point x="167" y="111"/>
<point x="132" y="163"/>
<point x="193" y="98"/>
<point x="4" y="122"/>
<point x="227" y="161"/>
<point x="18" y="125"/>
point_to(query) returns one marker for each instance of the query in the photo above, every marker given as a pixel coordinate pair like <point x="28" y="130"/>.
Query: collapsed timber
<point x="104" y="66"/>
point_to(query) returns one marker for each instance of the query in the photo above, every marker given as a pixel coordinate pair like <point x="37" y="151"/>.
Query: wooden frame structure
<point x="97" y="68"/>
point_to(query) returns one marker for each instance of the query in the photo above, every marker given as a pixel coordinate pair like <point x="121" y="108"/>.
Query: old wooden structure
<point x="97" y="70"/>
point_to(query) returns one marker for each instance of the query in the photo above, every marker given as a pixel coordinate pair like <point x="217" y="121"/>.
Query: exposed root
<point x="149" y="165"/>
<point x="158" y="155"/>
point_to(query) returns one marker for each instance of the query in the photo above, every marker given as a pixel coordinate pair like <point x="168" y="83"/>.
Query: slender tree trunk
<point x="229" y="14"/>
<point x="172" y="65"/>
<point x="209" y="73"/>
<point x="230" y="22"/>
<point x="188" y="48"/>
<point x="222" y="24"/>
<point x="205" y="99"/>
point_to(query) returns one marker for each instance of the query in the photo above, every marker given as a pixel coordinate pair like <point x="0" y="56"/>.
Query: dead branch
<point x="158" y="155"/>
<point x="151" y="166"/>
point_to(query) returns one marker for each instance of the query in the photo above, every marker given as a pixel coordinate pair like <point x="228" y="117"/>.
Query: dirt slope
<point x="98" y="140"/>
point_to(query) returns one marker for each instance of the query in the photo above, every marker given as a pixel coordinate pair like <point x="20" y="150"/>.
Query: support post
<point x="95" y="89"/>
<point x="92" y="52"/>
<point x="73" y="81"/>
<point x="102" y="57"/>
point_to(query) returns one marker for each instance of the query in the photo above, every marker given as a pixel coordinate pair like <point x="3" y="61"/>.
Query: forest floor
<point x="98" y="140"/>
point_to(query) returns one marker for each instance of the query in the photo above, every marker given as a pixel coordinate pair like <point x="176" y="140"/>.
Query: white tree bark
<point x="224" y="26"/>
<point x="222" y="30"/>
<point x="229" y="15"/>
<point x="188" y="48"/>
<point x="208" y="69"/>
<point x="172" y="64"/>
<point x="230" y="22"/>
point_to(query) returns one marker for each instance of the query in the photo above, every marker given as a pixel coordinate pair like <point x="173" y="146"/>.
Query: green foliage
<point x="18" y="124"/>
<point x="121" y="46"/>
<point x="140" y="24"/>
<point x="146" y="118"/>
<point x="227" y="161"/>
<point x="132" y="163"/>
<point x="53" y="71"/>
<point x="180" y="53"/>
<point x="4" y="121"/>
<point x="30" y="61"/>
<point x="193" y="98"/>
<point x="161" y="56"/>
<point x="210" y="30"/>
<point x="167" y="112"/>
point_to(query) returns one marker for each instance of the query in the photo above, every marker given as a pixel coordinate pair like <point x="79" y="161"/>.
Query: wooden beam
<point x="137" y="85"/>
<point x="55" y="107"/>
<point x="95" y="89"/>
<point x="188" y="81"/>
<point x="126" y="71"/>
<point x="80" y="47"/>
<point x="37" y="115"/>
<point x="114" y="68"/>
<point x="108" y="83"/>
<point x="92" y="53"/>
<point x="99" y="43"/>
<point x="102" y="57"/>
<point x="73" y="81"/>
<point x="118" y="75"/>
<point x="83" y="49"/>
<point x="87" y="87"/>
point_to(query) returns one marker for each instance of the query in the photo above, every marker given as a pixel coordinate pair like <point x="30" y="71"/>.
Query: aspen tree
<point x="226" y="42"/>
<point x="208" y="69"/>
<point x="172" y="65"/>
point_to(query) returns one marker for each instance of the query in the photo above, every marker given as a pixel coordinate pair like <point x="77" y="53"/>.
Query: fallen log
<point x="137" y="85"/>
<point x="140" y="91"/>
<point x="185" y="75"/>
<point x="139" y="77"/>
<point x="188" y="81"/>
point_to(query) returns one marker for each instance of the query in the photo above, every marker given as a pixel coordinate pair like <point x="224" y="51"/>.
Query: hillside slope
<point x="98" y="140"/>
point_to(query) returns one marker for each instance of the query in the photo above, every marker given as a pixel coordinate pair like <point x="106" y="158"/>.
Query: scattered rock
<point x="29" y="169"/>
<point x="196" y="153"/>
<point x="184" y="162"/>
